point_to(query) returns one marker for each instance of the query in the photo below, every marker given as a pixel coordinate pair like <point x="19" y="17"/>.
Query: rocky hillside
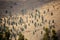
<point x="32" y="21"/>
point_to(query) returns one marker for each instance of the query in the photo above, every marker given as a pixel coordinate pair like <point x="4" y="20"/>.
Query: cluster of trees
<point x="5" y="34"/>
<point x="50" y="34"/>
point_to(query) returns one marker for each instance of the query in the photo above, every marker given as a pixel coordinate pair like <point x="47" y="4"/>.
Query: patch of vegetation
<point x="21" y="37"/>
<point x="50" y="34"/>
<point x="4" y="33"/>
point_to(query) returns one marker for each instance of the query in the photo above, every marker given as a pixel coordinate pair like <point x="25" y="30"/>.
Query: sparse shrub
<point x="21" y="37"/>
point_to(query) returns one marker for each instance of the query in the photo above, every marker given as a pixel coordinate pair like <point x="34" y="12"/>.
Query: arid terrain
<point x="31" y="21"/>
